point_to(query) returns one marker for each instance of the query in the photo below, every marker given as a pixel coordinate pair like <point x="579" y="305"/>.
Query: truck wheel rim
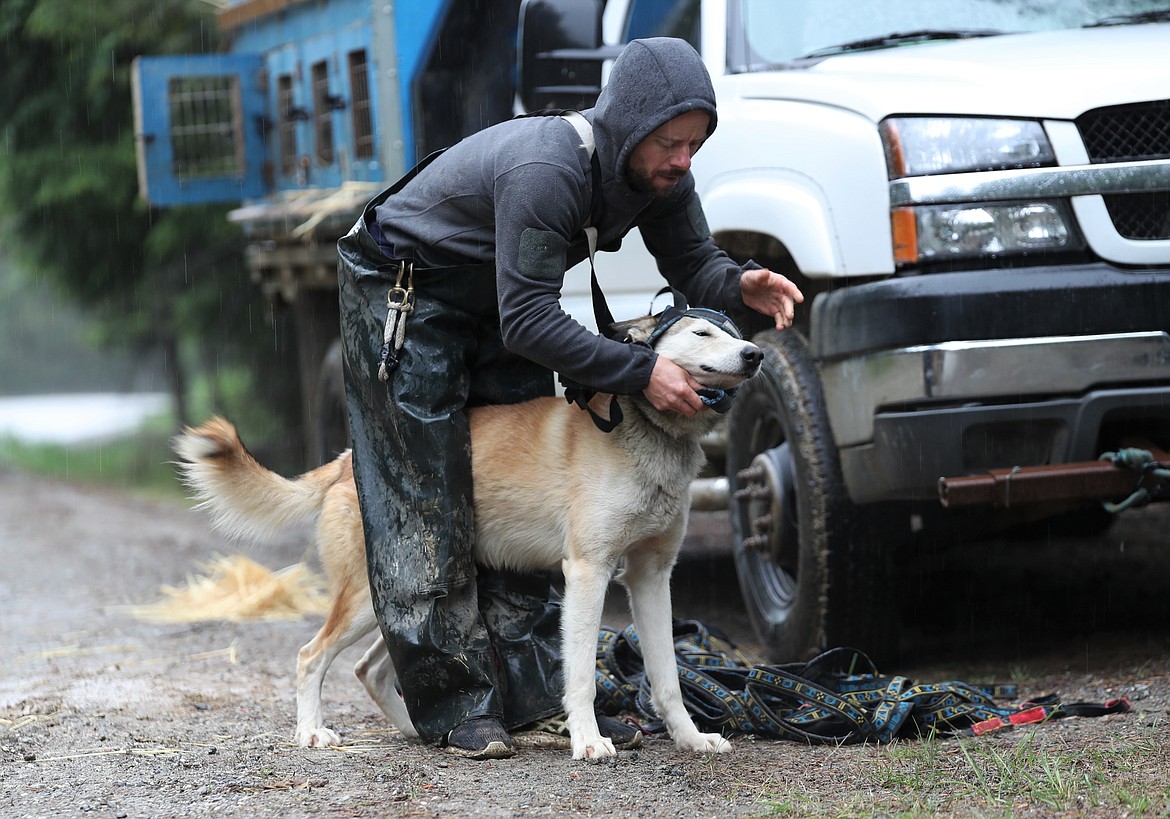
<point x="767" y="498"/>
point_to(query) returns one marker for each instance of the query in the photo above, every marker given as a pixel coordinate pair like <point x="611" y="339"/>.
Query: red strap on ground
<point x="1037" y="714"/>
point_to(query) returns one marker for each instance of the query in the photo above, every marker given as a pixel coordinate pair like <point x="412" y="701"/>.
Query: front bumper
<point x="946" y="377"/>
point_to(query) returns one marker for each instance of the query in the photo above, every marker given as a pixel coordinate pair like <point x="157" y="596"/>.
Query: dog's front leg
<point x="647" y="578"/>
<point x="585" y="587"/>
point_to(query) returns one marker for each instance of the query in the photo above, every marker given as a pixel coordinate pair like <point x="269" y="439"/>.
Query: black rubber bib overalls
<point x="466" y="641"/>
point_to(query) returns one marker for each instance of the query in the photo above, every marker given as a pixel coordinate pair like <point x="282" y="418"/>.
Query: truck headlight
<point x="924" y="146"/>
<point x="919" y="146"/>
<point x="954" y="231"/>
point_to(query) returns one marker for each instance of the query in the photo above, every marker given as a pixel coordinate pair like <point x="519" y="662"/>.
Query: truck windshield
<point x="767" y="33"/>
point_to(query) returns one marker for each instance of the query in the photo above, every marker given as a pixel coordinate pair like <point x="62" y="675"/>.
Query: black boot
<point x="480" y="738"/>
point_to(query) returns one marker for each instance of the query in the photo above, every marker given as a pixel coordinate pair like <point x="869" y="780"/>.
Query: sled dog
<point x="623" y="503"/>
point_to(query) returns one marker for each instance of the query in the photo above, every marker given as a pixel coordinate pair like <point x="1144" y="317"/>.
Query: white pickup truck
<point x="974" y="196"/>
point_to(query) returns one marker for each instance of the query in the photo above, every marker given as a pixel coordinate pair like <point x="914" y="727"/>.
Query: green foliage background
<point x="167" y="283"/>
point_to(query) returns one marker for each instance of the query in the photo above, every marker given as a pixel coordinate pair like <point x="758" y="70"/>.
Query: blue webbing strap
<point x="837" y="697"/>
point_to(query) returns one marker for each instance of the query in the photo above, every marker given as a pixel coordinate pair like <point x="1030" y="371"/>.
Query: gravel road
<point x="102" y="714"/>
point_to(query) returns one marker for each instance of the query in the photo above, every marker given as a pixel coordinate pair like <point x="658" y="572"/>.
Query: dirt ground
<point x="103" y="715"/>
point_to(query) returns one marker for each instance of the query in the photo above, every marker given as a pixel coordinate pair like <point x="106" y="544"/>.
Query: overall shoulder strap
<point x="585" y="131"/>
<point x="597" y="203"/>
<point x="601" y="311"/>
<point x="577" y="393"/>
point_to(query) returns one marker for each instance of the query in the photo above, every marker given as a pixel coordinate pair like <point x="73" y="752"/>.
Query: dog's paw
<point x="599" y="748"/>
<point x="704" y="743"/>
<point x="320" y="737"/>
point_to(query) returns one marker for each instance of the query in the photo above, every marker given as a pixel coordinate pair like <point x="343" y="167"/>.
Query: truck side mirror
<point x="561" y="53"/>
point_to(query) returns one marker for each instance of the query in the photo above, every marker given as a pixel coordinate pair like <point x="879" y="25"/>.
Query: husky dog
<point x="551" y="489"/>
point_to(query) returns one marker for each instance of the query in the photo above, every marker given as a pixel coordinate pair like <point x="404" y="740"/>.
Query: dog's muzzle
<point x="717" y="400"/>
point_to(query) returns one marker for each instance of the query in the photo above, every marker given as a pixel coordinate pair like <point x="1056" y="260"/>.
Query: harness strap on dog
<point x="680" y="310"/>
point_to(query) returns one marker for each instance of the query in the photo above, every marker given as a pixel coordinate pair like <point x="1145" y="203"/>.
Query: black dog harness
<point x="715" y="399"/>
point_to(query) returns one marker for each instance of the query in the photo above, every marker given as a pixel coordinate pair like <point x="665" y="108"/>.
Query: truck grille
<point x="1126" y="133"/>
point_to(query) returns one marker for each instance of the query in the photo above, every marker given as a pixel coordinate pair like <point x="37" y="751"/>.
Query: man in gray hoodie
<point x="484" y="235"/>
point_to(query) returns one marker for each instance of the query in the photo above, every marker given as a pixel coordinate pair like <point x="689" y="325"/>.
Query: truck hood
<point x="1047" y="75"/>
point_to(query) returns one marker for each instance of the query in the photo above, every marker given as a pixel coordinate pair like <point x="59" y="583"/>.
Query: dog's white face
<point x="714" y="357"/>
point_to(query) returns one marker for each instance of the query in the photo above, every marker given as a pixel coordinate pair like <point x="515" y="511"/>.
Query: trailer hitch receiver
<point x="1133" y="476"/>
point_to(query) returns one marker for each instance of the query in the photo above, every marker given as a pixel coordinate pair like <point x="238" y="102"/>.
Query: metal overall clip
<point x="399" y="304"/>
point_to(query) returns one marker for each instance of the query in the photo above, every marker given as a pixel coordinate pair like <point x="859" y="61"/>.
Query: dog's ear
<point x="638" y="329"/>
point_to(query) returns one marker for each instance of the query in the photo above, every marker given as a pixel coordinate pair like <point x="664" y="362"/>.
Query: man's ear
<point x="638" y="329"/>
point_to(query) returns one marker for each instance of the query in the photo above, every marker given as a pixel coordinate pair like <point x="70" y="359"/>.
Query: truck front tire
<point x="810" y="569"/>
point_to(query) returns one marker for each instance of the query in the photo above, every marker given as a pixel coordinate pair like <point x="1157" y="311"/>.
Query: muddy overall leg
<point x="522" y="616"/>
<point x="521" y="611"/>
<point x="412" y="468"/>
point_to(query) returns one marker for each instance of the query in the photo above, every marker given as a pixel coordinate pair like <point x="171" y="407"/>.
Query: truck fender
<point x="786" y="206"/>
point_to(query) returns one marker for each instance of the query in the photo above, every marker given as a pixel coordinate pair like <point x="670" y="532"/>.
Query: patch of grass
<point x="1032" y="774"/>
<point x="1024" y="772"/>
<point x="140" y="463"/>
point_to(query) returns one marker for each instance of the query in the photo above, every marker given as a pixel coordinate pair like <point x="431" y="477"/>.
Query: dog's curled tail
<point x="244" y="498"/>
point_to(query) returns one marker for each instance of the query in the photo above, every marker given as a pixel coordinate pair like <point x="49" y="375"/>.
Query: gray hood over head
<point x="651" y="82"/>
<point x="513" y="200"/>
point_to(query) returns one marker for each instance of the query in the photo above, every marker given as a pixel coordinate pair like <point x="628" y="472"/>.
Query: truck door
<point x="201" y="128"/>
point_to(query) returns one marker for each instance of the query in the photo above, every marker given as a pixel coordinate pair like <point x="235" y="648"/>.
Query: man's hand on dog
<point x="672" y="389"/>
<point x="770" y="294"/>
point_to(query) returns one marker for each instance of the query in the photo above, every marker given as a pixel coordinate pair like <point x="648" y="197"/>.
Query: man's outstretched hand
<point x="771" y="294"/>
